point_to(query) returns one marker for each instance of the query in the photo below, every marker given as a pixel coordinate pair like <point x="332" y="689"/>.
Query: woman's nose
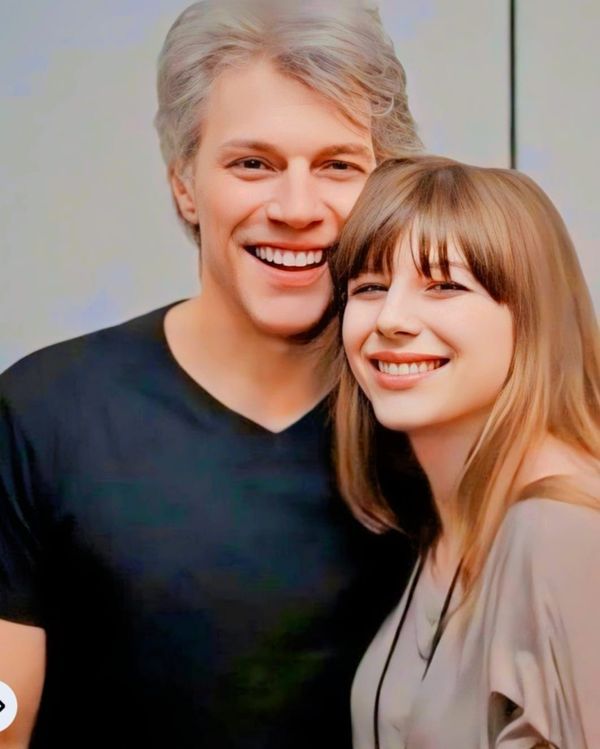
<point x="398" y="316"/>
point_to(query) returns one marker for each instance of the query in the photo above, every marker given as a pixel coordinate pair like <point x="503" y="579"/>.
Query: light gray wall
<point x="456" y="58"/>
<point x="87" y="233"/>
<point x="558" y="105"/>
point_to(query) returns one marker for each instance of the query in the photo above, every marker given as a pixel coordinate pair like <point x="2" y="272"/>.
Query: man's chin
<point x="317" y="329"/>
<point x="298" y="329"/>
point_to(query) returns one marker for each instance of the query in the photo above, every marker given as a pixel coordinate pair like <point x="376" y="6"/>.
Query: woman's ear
<point x="182" y="187"/>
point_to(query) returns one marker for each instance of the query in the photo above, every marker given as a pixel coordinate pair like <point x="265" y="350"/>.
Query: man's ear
<point x="182" y="187"/>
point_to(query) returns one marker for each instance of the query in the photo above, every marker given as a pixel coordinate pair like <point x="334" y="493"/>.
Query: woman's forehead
<point x="420" y="251"/>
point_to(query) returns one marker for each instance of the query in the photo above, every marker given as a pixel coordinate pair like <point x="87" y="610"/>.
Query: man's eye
<point x="342" y="166"/>
<point x="253" y="164"/>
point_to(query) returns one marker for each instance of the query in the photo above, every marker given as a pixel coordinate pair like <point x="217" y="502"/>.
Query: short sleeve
<point x="544" y="664"/>
<point x="20" y="544"/>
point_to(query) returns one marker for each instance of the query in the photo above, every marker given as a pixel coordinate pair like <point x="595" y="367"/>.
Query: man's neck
<point x="270" y="380"/>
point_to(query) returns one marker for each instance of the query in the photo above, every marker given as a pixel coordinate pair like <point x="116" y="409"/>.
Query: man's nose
<point x="399" y="315"/>
<point x="296" y="200"/>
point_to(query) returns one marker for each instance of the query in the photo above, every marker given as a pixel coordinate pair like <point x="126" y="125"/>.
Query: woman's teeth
<point x="409" y="368"/>
<point x="287" y="258"/>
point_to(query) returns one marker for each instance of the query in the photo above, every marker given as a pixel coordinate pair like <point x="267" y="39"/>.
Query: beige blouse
<point x="523" y="668"/>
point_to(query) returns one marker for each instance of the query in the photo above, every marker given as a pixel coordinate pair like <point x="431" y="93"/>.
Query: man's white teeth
<point x="409" y="368"/>
<point x="288" y="258"/>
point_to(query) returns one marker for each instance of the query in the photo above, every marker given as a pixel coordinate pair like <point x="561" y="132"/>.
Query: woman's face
<point x="427" y="352"/>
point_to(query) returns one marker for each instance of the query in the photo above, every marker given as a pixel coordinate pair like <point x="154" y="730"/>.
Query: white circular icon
<point x="8" y="706"/>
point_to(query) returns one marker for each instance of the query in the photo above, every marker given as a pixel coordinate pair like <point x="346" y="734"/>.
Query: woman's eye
<point x="446" y="286"/>
<point x="367" y="288"/>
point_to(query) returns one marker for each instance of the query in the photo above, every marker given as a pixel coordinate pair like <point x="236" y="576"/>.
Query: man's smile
<point x="288" y="259"/>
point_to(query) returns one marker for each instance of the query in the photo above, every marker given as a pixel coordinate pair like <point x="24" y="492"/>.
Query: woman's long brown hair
<point x="516" y="245"/>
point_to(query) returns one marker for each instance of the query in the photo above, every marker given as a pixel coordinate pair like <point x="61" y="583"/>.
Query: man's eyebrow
<point x="338" y="149"/>
<point x="249" y="144"/>
<point x="351" y="149"/>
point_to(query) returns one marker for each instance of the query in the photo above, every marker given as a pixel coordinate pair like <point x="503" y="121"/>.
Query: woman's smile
<point x="426" y="351"/>
<point x="399" y="371"/>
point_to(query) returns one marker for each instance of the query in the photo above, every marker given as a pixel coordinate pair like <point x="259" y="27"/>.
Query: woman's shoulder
<point x="551" y="541"/>
<point x="539" y="516"/>
<point x="542" y="571"/>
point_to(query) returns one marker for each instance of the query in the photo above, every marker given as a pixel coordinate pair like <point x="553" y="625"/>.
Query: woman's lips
<point x="401" y="371"/>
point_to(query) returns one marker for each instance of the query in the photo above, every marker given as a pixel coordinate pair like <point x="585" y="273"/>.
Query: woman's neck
<point x="442" y="450"/>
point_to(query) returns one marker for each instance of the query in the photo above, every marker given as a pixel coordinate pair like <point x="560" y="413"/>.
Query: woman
<point x="468" y="326"/>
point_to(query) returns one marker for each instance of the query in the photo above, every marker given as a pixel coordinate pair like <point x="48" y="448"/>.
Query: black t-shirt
<point x="200" y="582"/>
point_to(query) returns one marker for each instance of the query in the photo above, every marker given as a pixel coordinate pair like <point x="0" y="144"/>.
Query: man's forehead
<point x="257" y="102"/>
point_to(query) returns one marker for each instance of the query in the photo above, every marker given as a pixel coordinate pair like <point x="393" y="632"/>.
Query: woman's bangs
<point x="427" y="241"/>
<point x="457" y="221"/>
<point x="436" y="214"/>
<point x="485" y="246"/>
<point x="375" y="246"/>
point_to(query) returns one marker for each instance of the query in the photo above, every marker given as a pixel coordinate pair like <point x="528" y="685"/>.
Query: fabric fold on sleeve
<point x="544" y="642"/>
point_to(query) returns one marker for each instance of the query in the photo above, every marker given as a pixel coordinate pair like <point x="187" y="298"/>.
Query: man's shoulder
<point x="63" y="368"/>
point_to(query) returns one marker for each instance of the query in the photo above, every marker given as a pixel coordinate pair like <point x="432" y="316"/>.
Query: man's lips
<point x="288" y="257"/>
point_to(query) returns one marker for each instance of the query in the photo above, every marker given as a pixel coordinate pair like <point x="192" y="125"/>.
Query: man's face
<point x="276" y="173"/>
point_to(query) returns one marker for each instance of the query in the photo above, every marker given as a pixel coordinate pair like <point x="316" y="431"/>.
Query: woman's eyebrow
<point x="437" y="266"/>
<point x="451" y="264"/>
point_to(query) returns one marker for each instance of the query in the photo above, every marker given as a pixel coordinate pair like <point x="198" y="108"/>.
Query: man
<point x="175" y="567"/>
